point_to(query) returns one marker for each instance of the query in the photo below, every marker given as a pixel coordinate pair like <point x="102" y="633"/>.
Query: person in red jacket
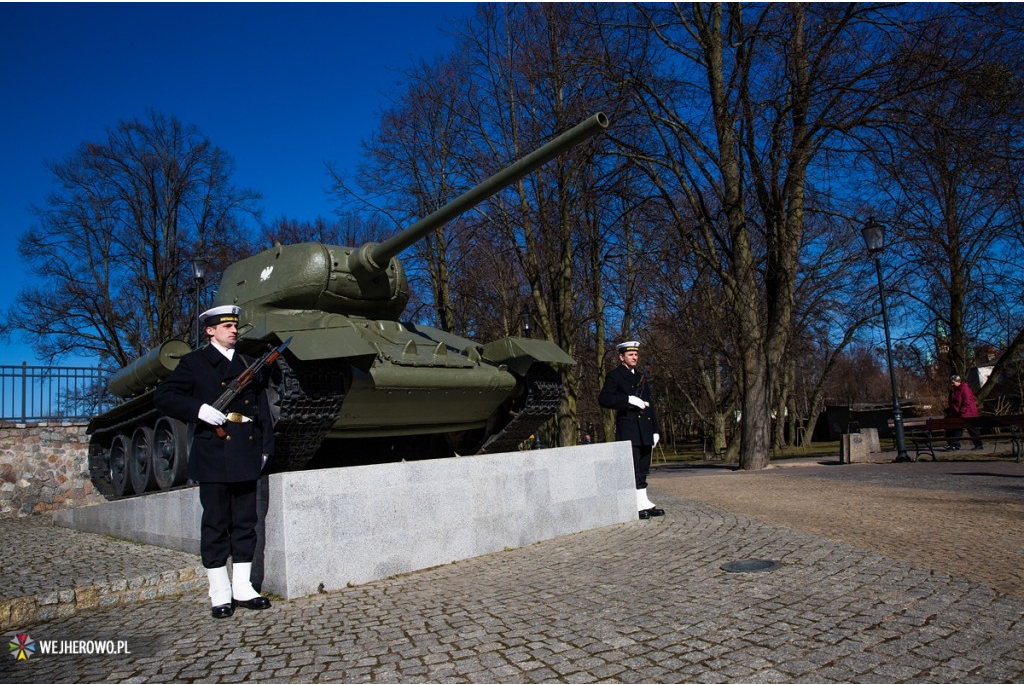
<point x="962" y="405"/>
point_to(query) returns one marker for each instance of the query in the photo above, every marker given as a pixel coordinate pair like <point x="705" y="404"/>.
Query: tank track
<point x="308" y="403"/>
<point x="542" y="397"/>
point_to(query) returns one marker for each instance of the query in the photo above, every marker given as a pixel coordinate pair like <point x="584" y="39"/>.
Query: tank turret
<point x="356" y="385"/>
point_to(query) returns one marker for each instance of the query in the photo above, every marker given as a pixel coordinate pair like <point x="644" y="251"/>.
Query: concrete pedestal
<point x="871" y="436"/>
<point x="324" y="529"/>
<point x="853" y="448"/>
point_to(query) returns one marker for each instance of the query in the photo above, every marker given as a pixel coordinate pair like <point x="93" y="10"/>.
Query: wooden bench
<point x="925" y="434"/>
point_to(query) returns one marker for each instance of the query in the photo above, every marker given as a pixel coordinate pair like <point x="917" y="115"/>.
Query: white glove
<point x="211" y="415"/>
<point x="637" y="402"/>
<point x="657" y="437"/>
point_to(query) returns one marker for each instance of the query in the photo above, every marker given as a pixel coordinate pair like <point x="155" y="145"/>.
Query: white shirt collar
<point x="230" y="354"/>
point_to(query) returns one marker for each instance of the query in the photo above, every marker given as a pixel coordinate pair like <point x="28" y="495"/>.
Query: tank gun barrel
<point x="375" y="256"/>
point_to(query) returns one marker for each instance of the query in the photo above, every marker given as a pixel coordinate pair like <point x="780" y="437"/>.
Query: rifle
<point x="245" y="378"/>
<point x="642" y="383"/>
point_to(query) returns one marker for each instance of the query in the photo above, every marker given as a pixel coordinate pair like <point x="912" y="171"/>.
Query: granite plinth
<point x="325" y="529"/>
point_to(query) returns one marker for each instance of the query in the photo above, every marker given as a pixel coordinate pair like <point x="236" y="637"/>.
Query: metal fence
<point x="52" y="393"/>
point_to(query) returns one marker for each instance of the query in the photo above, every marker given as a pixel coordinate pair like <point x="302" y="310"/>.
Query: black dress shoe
<point x="222" y="611"/>
<point x="254" y="603"/>
<point x="655" y="511"/>
<point x="644" y="515"/>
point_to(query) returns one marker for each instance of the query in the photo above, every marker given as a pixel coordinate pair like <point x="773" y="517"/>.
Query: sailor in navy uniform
<point x="227" y="468"/>
<point x="635" y="419"/>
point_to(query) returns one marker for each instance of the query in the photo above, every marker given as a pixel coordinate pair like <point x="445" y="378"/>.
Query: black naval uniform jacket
<point x="630" y="423"/>
<point x="200" y="378"/>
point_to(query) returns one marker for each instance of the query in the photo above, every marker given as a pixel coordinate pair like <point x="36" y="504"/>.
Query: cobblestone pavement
<point x="965" y="518"/>
<point x="50" y="572"/>
<point x="874" y="586"/>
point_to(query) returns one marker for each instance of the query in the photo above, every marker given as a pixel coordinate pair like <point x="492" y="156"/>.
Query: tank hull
<point x="403" y="392"/>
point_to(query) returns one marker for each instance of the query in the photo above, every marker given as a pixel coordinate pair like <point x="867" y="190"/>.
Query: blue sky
<point x="281" y="87"/>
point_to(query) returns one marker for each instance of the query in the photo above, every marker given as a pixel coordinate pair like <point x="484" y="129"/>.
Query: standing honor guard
<point x="628" y="393"/>
<point x="229" y="449"/>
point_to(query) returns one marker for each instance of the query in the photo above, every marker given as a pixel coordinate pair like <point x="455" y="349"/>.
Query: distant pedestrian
<point x="962" y="405"/>
<point x="627" y="392"/>
<point x="227" y="456"/>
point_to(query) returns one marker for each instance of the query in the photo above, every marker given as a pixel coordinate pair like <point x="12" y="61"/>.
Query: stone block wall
<point x="44" y="467"/>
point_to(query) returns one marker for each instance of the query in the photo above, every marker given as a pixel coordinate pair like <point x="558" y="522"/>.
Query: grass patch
<point x="686" y="454"/>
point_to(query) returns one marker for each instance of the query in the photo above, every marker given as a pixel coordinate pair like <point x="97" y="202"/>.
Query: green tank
<point x="356" y="385"/>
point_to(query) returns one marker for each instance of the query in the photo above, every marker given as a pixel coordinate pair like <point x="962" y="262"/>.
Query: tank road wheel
<point x="170" y="453"/>
<point x="120" y="453"/>
<point x="99" y="469"/>
<point x="140" y="461"/>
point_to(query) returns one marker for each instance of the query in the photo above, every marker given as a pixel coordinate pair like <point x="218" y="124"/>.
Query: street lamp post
<point x="199" y="266"/>
<point x="527" y="322"/>
<point x="874" y="239"/>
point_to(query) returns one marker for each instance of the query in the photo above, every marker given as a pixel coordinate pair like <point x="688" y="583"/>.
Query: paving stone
<point x="862" y="595"/>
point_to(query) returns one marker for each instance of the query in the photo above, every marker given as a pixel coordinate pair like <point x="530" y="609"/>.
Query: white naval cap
<point x="227" y="313"/>
<point x="628" y="346"/>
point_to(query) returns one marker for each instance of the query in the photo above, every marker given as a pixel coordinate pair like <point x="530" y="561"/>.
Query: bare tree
<point x="833" y="302"/>
<point x="350" y="230"/>
<point x="745" y="103"/>
<point x="114" y="241"/>
<point x="950" y="158"/>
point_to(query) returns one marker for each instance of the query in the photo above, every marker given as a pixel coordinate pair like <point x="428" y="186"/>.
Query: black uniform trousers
<point x="229" y="522"/>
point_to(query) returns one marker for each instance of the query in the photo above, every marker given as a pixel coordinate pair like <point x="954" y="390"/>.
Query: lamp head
<point x="199" y="266"/>
<point x="874" y="236"/>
